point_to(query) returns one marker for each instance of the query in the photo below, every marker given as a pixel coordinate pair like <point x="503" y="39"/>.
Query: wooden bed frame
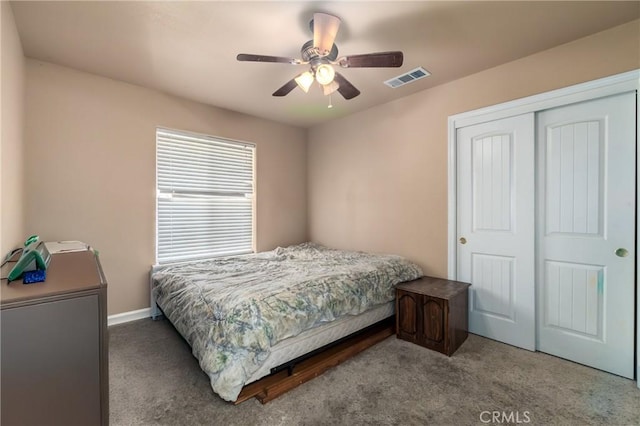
<point x="305" y="368"/>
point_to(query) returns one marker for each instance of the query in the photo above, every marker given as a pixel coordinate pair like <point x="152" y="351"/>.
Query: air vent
<point x="409" y="77"/>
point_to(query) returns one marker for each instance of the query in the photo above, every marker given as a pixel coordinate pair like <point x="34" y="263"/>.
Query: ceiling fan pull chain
<point x="330" y="103"/>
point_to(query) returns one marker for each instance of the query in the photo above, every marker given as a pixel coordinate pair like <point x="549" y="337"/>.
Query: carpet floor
<point x="154" y="379"/>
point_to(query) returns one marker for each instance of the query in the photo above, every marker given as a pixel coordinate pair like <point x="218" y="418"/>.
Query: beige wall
<point x="90" y="144"/>
<point x="379" y="186"/>
<point x="12" y="230"/>
<point x="377" y="180"/>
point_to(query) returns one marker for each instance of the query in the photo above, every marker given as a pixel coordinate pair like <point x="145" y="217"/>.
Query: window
<point x="205" y="196"/>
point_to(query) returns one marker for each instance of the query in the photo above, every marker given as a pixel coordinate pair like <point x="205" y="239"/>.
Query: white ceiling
<point x="189" y="48"/>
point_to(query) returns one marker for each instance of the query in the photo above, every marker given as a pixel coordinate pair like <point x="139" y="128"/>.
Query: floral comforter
<point x="232" y="310"/>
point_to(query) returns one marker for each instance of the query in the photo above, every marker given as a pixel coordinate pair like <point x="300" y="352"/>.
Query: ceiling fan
<point x="321" y="54"/>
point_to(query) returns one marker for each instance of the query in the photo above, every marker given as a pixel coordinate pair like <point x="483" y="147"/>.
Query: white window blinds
<point x="204" y="196"/>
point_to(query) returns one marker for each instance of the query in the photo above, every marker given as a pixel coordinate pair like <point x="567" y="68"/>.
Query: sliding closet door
<point x="586" y="232"/>
<point x="495" y="227"/>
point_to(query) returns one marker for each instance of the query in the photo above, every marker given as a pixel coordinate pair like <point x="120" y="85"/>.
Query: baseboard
<point x="128" y="316"/>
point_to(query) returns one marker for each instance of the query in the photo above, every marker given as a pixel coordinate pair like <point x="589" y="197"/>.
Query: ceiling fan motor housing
<point x="309" y="52"/>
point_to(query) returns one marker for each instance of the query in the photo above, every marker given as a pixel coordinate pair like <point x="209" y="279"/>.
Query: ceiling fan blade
<point x="325" y="28"/>
<point x="373" y="60"/>
<point x="346" y="89"/>
<point x="288" y="87"/>
<point x="263" y="58"/>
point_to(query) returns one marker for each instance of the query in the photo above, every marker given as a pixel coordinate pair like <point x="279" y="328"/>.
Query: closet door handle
<point x="463" y="240"/>
<point x="622" y="252"/>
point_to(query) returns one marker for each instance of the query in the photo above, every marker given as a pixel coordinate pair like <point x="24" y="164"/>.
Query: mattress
<point x="234" y="311"/>
<point x="294" y="347"/>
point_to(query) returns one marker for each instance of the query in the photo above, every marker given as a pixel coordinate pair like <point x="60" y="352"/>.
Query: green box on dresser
<point x="433" y="312"/>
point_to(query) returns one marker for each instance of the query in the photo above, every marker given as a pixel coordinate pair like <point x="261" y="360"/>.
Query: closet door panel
<point x="495" y="226"/>
<point x="586" y="229"/>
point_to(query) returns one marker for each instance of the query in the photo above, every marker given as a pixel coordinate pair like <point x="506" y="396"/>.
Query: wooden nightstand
<point x="433" y="312"/>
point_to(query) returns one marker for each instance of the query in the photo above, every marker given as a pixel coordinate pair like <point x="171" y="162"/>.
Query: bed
<point x="245" y="315"/>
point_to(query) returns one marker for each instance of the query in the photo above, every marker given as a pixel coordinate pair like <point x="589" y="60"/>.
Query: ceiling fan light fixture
<point x="325" y="29"/>
<point x="304" y="81"/>
<point x="325" y="74"/>
<point x="328" y="89"/>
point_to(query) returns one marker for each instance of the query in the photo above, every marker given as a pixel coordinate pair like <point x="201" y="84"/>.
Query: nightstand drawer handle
<point x="463" y="240"/>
